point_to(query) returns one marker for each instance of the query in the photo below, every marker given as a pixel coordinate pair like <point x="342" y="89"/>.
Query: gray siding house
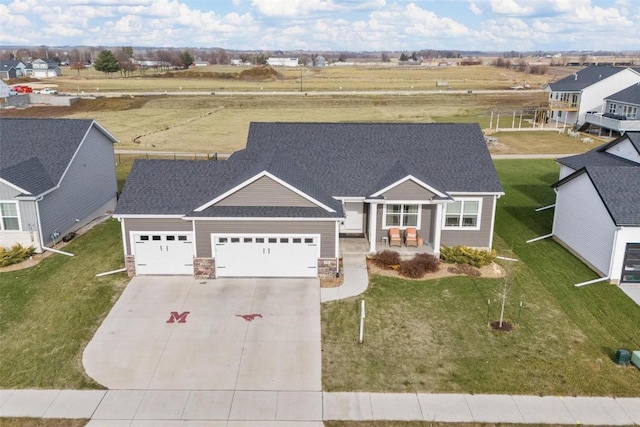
<point x="597" y="210"/>
<point x="278" y="207"/>
<point x="56" y="175"/>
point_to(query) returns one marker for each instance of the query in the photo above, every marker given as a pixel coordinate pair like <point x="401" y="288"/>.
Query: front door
<point x="354" y="218"/>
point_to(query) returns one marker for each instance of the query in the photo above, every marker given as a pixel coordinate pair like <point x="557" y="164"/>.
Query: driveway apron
<point x="179" y="333"/>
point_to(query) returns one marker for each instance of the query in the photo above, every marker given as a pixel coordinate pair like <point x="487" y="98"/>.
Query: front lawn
<point x="50" y="311"/>
<point x="432" y="336"/>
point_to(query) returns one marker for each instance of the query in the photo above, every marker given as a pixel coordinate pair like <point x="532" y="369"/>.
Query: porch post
<point x="373" y="218"/>
<point x="438" y="229"/>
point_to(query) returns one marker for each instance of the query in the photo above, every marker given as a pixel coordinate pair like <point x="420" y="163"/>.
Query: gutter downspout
<point x="42" y="246"/>
<point x="38" y="200"/>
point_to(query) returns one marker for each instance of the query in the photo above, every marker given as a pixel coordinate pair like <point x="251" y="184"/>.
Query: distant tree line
<point x="521" y="65"/>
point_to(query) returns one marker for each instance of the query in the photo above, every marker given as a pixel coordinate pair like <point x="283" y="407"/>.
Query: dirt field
<point x="219" y="124"/>
<point x="221" y="78"/>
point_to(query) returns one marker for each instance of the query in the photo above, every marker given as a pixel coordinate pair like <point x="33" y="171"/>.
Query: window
<point x="612" y="108"/>
<point x="462" y="214"/>
<point x="308" y="240"/>
<point x="143" y="238"/>
<point x="171" y="238"/>
<point x="247" y="240"/>
<point x="9" y="215"/>
<point x="284" y="240"/>
<point x="401" y="216"/>
<point x="630" y="112"/>
<point x="183" y="238"/>
<point x="259" y="239"/>
<point x="235" y="240"/>
<point x="273" y="240"/>
<point x="296" y="240"/>
<point x="156" y="238"/>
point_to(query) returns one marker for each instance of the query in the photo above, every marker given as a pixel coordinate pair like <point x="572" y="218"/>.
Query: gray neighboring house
<point x="279" y="207"/>
<point x="56" y="175"/>
<point x="11" y="69"/>
<point x="597" y="210"/>
<point x="621" y="112"/>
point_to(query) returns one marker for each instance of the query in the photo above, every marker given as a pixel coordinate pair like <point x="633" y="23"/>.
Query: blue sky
<point x="317" y="25"/>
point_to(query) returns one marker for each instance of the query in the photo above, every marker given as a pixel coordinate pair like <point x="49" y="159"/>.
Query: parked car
<point x="22" y="89"/>
<point x="47" y="91"/>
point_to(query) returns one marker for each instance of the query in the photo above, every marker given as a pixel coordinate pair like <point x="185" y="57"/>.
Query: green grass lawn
<point x="432" y="336"/>
<point x="51" y="311"/>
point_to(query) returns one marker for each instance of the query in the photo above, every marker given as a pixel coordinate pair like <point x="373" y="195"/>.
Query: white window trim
<point x="460" y="227"/>
<point x="17" y="213"/>
<point x="401" y="227"/>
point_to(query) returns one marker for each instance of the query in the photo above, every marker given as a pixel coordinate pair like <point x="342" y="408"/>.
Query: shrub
<point x="386" y="259"/>
<point x="466" y="255"/>
<point x="430" y="263"/>
<point x="464" y="269"/>
<point x="17" y="253"/>
<point x="413" y="268"/>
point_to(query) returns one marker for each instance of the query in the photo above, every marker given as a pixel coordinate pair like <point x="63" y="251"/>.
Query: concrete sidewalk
<point x="136" y="408"/>
<point x="355" y="281"/>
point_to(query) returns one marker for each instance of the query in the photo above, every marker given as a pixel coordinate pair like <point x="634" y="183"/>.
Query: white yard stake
<point x="361" y="337"/>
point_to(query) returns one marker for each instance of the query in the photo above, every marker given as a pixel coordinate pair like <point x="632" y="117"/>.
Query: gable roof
<point x="35" y="153"/>
<point x="599" y="156"/>
<point x="618" y="188"/>
<point x="584" y="78"/>
<point x="350" y="159"/>
<point x="630" y="95"/>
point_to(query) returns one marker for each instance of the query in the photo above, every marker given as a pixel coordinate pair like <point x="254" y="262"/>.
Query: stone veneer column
<point x="327" y="268"/>
<point x="130" y="265"/>
<point x="204" y="268"/>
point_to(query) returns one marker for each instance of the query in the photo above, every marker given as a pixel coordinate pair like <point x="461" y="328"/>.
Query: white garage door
<point x="266" y="255"/>
<point x="163" y="253"/>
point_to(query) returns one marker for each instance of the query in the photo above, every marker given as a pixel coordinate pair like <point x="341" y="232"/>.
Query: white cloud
<point x="475" y="9"/>
<point x="293" y="7"/>
<point x="511" y="7"/>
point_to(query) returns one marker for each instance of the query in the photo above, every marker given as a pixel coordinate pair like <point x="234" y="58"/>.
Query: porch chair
<point x="411" y="237"/>
<point x="394" y="237"/>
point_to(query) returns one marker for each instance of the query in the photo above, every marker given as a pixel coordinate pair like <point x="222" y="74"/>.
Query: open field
<point x="220" y="124"/>
<point x="432" y="336"/>
<point x="347" y="78"/>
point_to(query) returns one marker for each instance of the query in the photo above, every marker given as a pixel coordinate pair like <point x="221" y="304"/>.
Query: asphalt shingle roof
<point x="619" y="189"/>
<point x="584" y="78"/>
<point x="630" y="95"/>
<point x="34" y="153"/>
<point x="599" y="157"/>
<point x="349" y="159"/>
<point x="322" y="160"/>
<point x="616" y="180"/>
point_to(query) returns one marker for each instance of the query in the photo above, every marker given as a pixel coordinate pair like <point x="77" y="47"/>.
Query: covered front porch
<point x="361" y="245"/>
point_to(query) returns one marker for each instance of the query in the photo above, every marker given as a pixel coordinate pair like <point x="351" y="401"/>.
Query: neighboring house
<point x="11" y="69"/>
<point x="571" y="98"/>
<point x="597" y="210"/>
<point x="5" y="91"/>
<point x="56" y="175"/>
<point x="278" y="207"/>
<point x="42" y="69"/>
<point x="620" y="113"/>
<point x="282" y="62"/>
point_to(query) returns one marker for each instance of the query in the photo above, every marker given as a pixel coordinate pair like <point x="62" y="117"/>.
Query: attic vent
<point x="575" y="76"/>
<point x="600" y="76"/>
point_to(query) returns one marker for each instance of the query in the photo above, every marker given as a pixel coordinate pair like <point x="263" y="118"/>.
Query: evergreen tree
<point x="107" y="62"/>
<point x="186" y="59"/>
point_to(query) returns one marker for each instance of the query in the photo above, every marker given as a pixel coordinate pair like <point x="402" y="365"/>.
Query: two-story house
<point x="620" y="112"/>
<point x="571" y="98"/>
<point x="43" y="68"/>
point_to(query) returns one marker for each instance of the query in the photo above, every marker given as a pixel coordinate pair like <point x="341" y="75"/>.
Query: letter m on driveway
<point x="178" y="317"/>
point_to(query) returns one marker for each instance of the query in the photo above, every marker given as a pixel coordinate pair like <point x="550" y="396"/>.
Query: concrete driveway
<point x="207" y="344"/>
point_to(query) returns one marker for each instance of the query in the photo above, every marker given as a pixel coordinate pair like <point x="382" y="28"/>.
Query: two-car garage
<point x="266" y="255"/>
<point x="236" y="255"/>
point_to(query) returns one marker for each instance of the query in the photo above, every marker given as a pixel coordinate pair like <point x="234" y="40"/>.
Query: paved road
<point x="301" y="93"/>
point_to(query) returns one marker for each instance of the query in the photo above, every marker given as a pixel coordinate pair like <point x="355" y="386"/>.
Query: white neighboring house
<point x="571" y="98"/>
<point x="597" y="210"/>
<point x="42" y="69"/>
<point x="4" y="90"/>
<point x="282" y="62"/>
